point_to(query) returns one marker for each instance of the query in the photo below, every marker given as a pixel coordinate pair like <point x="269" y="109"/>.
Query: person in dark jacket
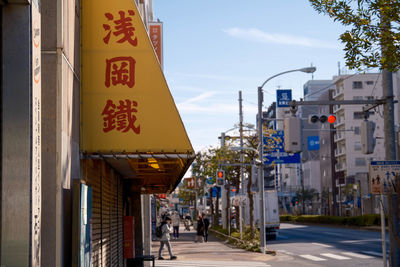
<point x="206" y="225"/>
<point x="200" y="230"/>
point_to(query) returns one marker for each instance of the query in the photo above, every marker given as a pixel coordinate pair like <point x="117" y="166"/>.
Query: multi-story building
<point x="351" y="164"/>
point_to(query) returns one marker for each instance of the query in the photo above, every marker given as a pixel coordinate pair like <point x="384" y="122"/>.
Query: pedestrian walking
<point x="165" y="239"/>
<point x="175" y="223"/>
<point x="200" y="230"/>
<point x="206" y="226"/>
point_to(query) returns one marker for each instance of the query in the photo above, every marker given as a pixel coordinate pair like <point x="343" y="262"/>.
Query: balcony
<point x="340" y="152"/>
<point x="339" y="122"/>
<point x="337" y="93"/>
<point x="337" y="108"/>
<point x="340" y="167"/>
<point x="338" y="137"/>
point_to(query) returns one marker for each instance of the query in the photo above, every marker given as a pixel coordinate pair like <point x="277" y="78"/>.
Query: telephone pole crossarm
<point x="295" y="103"/>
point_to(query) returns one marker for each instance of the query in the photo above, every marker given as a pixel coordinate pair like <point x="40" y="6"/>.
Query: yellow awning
<point x="127" y="108"/>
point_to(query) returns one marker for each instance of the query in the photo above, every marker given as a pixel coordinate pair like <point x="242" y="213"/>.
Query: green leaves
<point x="374" y="38"/>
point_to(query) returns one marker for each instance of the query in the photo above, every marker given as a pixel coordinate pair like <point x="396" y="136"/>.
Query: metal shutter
<point x="107" y="218"/>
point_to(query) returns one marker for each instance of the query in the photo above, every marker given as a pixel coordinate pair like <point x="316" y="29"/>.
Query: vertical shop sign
<point x="129" y="237"/>
<point x="156" y="37"/>
<point x="36" y="136"/>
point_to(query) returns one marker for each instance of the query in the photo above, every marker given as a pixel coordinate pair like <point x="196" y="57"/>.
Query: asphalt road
<point x="326" y="246"/>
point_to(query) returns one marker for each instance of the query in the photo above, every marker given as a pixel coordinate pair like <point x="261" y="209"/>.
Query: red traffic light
<point x="220" y="174"/>
<point x="322" y="118"/>
<point x="331" y="119"/>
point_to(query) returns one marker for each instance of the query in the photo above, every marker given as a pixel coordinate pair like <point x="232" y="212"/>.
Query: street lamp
<point x="260" y="147"/>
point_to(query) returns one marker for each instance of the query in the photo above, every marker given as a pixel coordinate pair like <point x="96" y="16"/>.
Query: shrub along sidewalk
<point x="247" y="243"/>
<point x="364" y="220"/>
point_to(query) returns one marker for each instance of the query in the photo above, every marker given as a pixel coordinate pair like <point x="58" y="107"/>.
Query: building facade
<point x="49" y="170"/>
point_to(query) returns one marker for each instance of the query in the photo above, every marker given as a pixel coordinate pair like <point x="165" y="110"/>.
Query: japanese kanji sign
<point x="191" y="184"/>
<point x="126" y="104"/>
<point x="156" y="37"/>
<point x="383" y="175"/>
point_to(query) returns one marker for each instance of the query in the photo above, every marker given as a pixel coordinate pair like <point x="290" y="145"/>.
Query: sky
<point x="214" y="48"/>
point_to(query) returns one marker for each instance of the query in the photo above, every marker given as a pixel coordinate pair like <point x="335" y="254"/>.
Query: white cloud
<point x="256" y="35"/>
<point x="199" y="98"/>
<point x="213" y="108"/>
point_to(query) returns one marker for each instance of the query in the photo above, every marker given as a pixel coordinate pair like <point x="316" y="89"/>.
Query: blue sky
<point x="214" y="48"/>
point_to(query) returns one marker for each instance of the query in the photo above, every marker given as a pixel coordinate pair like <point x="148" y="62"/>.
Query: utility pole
<point x="241" y="191"/>
<point x="390" y="145"/>
<point x="261" y="169"/>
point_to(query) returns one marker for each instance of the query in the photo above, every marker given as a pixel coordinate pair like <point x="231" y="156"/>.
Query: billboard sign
<point x="283" y="97"/>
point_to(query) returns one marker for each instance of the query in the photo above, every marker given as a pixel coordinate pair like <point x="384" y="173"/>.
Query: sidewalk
<point x="214" y="250"/>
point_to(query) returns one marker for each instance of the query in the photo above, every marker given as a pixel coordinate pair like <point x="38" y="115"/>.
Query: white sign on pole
<point x="383" y="175"/>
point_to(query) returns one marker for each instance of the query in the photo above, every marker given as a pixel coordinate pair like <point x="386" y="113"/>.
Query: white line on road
<point x="332" y="233"/>
<point x="334" y="256"/>
<point x="198" y="263"/>
<point x="322" y="245"/>
<point x="361" y="240"/>
<point x="313" y="258"/>
<point x="357" y="255"/>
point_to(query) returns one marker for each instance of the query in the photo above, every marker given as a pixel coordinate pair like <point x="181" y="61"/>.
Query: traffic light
<point x="367" y="136"/>
<point x="292" y="132"/>
<point x="220" y="177"/>
<point x="330" y="118"/>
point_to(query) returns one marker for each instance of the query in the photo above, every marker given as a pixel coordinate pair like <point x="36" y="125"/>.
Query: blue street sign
<point x="283" y="97"/>
<point x="214" y="192"/>
<point x="209" y="180"/>
<point x="313" y="142"/>
<point x="273" y="150"/>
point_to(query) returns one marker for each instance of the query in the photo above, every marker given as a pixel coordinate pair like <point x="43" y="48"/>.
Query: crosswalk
<point x="192" y="263"/>
<point x="336" y="256"/>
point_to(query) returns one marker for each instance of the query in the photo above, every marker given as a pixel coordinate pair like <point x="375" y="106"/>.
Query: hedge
<point x="364" y="220"/>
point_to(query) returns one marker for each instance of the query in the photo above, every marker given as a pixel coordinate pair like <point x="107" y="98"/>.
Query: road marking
<point x="192" y="263"/>
<point x="322" y="245"/>
<point x="332" y="233"/>
<point x="357" y="255"/>
<point x="373" y="253"/>
<point x="361" y="240"/>
<point x="334" y="256"/>
<point x="313" y="258"/>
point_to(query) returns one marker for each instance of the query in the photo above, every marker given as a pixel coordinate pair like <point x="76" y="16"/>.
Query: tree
<point x="374" y="24"/>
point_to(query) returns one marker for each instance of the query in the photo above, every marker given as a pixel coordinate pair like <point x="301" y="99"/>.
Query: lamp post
<point x="260" y="148"/>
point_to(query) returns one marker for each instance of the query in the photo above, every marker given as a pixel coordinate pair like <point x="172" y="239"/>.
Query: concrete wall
<point x="16" y="135"/>
<point x="60" y="116"/>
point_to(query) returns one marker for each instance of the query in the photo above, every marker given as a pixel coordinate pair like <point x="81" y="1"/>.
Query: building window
<point x="358" y="115"/>
<point x="369" y="82"/>
<point x="357" y="85"/>
<point x="357" y="130"/>
<point x="360" y="162"/>
<point x="369" y="97"/>
<point x="357" y="97"/>
<point x="357" y="146"/>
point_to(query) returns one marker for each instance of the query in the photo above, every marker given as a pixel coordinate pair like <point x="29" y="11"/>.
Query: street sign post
<point x="313" y="142"/>
<point x="283" y="97"/>
<point x="383" y="175"/>
<point x="274" y="151"/>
